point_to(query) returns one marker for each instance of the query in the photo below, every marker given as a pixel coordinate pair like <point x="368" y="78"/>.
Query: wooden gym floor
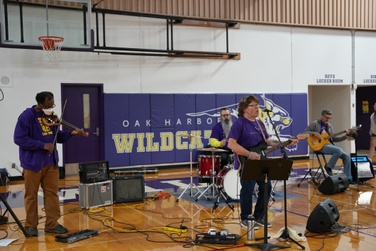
<point x="140" y="225"/>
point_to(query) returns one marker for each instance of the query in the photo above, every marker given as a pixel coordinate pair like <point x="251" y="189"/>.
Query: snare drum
<point x="229" y="180"/>
<point x="205" y="165"/>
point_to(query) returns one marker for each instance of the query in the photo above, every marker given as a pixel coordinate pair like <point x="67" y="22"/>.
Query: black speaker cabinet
<point x="334" y="184"/>
<point x="128" y="188"/>
<point x="95" y="171"/>
<point x="323" y="217"/>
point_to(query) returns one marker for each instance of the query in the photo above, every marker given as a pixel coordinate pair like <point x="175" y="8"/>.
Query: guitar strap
<point x="262" y="132"/>
<point x="241" y="165"/>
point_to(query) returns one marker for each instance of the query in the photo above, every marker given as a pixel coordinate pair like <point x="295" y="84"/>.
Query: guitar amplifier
<point x="96" y="194"/>
<point x="128" y="188"/>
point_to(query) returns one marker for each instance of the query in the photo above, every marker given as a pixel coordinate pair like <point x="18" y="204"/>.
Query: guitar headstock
<point x="355" y="128"/>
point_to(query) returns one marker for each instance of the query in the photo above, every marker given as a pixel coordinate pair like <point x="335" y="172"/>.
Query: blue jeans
<point x="246" y="193"/>
<point x="337" y="153"/>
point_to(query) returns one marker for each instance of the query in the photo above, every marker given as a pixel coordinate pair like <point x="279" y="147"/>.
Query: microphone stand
<point x="285" y="234"/>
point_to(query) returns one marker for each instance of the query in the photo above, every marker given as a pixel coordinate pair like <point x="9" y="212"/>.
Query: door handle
<point x="97" y="132"/>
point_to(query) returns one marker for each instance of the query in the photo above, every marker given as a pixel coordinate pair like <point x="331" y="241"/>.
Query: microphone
<point x="267" y="110"/>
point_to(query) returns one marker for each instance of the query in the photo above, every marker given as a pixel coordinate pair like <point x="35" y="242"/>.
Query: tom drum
<point x="205" y="163"/>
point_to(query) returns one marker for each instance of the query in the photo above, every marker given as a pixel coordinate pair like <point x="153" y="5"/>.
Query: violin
<point x="54" y="120"/>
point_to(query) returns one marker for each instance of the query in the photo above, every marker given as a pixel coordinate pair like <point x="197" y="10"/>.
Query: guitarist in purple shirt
<point x="248" y="138"/>
<point x="317" y="142"/>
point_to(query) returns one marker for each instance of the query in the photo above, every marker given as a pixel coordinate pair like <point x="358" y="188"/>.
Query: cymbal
<point x="211" y="149"/>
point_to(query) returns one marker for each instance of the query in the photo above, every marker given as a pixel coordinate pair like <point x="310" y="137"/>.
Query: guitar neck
<point x="263" y="149"/>
<point x="273" y="148"/>
<point x="344" y="131"/>
<point x="334" y="135"/>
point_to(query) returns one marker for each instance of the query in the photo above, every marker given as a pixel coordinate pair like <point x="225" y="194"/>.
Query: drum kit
<point x="225" y="183"/>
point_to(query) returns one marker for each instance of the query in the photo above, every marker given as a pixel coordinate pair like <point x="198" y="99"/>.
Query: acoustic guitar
<point x="263" y="149"/>
<point x="317" y="144"/>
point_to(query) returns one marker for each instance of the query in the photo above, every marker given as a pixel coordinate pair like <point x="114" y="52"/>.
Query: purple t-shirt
<point x="48" y="137"/>
<point x="217" y="133"/>
<point x="247" y="134"/>
<point x="324" y="127"/>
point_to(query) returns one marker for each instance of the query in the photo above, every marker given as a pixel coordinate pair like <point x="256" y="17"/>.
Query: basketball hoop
<point x="51" y="46"/>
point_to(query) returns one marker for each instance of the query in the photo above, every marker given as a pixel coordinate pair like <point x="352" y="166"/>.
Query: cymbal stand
<point x="191" y="185"/>
<point x="225" y="197"/>
<point x="212" y="185"/>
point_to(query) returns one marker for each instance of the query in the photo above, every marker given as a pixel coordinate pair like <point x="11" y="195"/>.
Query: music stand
<point x="358" y="180"/>
<point x="265" y="170"/>
<point x="8" y="208"/>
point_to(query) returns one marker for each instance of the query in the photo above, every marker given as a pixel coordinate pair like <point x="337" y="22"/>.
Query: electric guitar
<point x="263" y="149"/>
<point x="317" y="144"/>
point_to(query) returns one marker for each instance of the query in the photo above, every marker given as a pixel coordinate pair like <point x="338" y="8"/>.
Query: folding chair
<point x="321" y="159"/>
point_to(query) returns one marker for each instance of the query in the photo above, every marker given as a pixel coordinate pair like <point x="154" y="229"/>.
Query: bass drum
<point x="229" y="180"/>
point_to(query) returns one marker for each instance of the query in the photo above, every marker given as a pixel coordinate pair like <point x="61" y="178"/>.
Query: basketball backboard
<point x="23" y="22"/>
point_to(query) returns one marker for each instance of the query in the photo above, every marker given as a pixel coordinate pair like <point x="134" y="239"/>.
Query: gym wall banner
<point x="152" y="129"/>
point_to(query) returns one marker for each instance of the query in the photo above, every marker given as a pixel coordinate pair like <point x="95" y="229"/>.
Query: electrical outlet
<point x="13" y="165"/>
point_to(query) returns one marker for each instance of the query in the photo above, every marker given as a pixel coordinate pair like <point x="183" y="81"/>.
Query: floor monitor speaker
<point x="323" y="217"/>
<point x="128" y="188"/>
<point x="334" y="184"/>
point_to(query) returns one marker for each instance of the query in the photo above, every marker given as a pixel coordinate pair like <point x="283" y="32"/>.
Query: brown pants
<point x="48" y="179"/>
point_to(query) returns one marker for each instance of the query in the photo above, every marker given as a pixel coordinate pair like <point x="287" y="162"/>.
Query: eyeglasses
<point x="254" y="105"/>
<point x="327" y="117"/>
<point x="53" y="106"/>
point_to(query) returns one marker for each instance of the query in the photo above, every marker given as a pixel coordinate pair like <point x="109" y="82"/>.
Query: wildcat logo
<point x="278" y="115"/>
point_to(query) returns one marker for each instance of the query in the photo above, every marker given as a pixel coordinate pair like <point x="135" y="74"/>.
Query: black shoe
<point x="261" y="222"/>
<point x="328" y="170"/>
<point x="31" y="232"/>
<point x="59" y="229"/>
<point x="244" y="223"/>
